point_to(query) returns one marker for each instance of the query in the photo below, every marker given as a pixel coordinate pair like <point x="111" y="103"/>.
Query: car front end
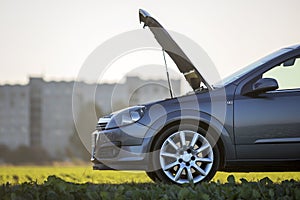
<point x="118" y="142"/>
<point x="123" y="139"/>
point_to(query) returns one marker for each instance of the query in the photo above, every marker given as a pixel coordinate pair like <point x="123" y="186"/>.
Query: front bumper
<point x="122" y="148"/>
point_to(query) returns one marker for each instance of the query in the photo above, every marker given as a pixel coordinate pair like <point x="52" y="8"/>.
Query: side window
<point x="287" y="74"/>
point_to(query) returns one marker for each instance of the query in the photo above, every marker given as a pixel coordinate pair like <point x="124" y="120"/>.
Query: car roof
<point x="297" y="46"/>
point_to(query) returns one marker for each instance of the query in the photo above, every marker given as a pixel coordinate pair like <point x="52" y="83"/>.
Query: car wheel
<point x="184" y="154"/>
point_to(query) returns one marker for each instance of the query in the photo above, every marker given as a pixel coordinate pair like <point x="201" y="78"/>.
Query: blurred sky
<point x="53" y="38"/>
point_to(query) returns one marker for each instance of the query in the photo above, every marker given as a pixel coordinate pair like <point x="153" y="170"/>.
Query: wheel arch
<point x="204" y="123"/>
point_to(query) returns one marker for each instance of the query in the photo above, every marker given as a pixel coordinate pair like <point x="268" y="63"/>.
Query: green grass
<point x="81" y="182"/>
<point x="85" y="174"/>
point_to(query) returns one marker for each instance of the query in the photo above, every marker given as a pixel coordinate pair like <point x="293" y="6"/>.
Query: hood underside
<point x="168" y="44"/>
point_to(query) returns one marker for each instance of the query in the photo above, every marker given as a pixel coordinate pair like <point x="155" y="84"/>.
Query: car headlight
<point x="126" y="116"/>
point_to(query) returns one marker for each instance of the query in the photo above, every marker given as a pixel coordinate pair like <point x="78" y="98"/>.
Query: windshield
<point x="233" y="77"/>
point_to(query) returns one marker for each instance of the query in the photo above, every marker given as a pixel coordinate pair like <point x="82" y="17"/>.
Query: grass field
<point x="81" y="182"/>
<point x="85" y="174"/>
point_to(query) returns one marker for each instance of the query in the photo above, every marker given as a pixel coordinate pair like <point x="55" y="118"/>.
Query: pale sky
<point x="53" y="38"/>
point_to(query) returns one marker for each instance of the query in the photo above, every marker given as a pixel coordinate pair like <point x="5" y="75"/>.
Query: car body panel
<point x="272" y="115"/>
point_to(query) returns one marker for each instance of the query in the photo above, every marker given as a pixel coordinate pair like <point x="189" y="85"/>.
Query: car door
<point x="267" y="125"/>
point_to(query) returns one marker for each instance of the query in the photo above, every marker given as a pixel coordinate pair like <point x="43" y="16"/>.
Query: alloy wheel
<point x="186" y="156"/>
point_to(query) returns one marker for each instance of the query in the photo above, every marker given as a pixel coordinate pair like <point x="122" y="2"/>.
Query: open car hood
<point x="165" y="40"/>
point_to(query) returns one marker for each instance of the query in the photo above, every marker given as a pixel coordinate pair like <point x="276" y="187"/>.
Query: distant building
<point x="14" y="115"/>
<point x="42" y="113"/>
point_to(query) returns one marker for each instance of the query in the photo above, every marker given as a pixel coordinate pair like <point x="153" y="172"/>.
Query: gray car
<point x="248" y="122"/>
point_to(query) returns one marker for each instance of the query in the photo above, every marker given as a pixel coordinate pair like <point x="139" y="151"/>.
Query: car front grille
<point x="101" y="126"/>
<point x="103" y="121"/>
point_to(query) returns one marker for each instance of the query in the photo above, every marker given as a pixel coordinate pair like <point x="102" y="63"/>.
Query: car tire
<point x="183" y="154"/>
<point x="152" y="176"/>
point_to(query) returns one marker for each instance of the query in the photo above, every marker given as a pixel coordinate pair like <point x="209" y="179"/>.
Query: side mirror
<point x="264" y="85"/>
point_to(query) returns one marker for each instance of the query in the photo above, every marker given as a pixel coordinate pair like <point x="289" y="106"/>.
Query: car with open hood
<point x="250" y="121"/>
